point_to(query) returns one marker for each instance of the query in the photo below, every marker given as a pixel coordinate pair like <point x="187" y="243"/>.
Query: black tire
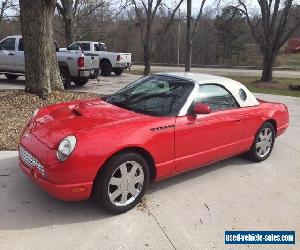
<point x="65" y="77"/>
<point x="253" y="154"/>
<point x="106" y="68"/>
<point x="109" y="170"/>
<point x="80" y="82"/>
<point x="118" y="71"/>
<point x="11" y="76"/>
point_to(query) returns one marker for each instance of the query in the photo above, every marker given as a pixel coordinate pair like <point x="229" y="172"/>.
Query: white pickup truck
<point x="77" y="68"/>
<point x="109" y="61"/>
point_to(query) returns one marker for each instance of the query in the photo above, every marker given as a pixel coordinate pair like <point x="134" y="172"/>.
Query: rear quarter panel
<point x="257" y="115"/>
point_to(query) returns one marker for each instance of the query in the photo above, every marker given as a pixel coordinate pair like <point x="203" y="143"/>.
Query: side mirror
<point x="201" y="108"/>
<point x="68" y="48"/>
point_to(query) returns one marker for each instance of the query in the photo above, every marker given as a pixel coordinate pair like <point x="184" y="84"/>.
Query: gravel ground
<point x="16" y="108"/>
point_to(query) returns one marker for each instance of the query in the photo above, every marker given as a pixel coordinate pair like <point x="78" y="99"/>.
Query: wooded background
<point x="221" y="39"/>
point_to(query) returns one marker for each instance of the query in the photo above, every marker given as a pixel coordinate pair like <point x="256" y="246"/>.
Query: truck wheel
<point x="65" y="77"/>
<point x="80" y="82"/>
<point x="118" y="71"/>
<point x="11" y="76"/>
<point x="106" y="68"/>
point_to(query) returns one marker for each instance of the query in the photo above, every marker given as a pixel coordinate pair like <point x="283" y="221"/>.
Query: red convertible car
<point x="156" y="127"/>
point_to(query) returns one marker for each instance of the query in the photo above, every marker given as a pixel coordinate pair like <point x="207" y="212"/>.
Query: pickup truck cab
<point x="77" y="68"/>
<point x="109" y="61"/>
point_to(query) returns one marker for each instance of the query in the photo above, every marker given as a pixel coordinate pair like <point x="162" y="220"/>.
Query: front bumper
<point x="67" y="192"/>
<point x="64" y="182"/>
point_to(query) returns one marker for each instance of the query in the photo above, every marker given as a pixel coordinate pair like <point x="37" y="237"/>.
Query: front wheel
<point x="263" y="143"/>
<point x="122" y="182"/>
<point x="11" y="76"/>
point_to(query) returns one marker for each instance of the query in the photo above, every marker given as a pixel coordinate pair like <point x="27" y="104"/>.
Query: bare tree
<point x="4" y="6"/>
<point x="42" y="72"/>
<point x="275" y="23"/>
<point x="149" y="10"/>
<point x="190" y="32"/>
<point x="71" y="9"/>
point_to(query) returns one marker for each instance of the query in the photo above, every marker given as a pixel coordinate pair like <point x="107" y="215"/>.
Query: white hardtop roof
<point x="232" y="86"/>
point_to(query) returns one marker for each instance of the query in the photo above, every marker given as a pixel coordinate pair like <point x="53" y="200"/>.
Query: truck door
<point x="19" y="56"/>
<point x="7" y="54"/>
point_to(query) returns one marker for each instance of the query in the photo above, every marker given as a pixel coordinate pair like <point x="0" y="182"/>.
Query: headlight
<point x="66" y="147"/>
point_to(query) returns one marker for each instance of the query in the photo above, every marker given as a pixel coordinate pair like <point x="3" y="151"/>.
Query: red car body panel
<point x="175" y="144"/>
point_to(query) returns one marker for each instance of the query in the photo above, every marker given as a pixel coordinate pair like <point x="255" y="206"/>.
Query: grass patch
<point x="16" y="107"/>
<point x="289" y="60"/>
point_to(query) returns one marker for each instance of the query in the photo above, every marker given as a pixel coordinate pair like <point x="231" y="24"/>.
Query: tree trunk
<point x="178" y="42"/>
<point x="188" y="42"/>
<point x="41" y="69"/>
<point x="268" y="61"/>
<point x="147" y="48"/>
<point x="69" y="32"/>
<point x="147" y="61"/>
<point x="68" y="19"/>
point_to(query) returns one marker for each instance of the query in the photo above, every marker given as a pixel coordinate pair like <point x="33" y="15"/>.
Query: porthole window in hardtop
<point x="243" y="94"/>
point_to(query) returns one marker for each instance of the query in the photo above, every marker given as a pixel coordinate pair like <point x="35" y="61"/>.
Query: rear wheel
<point x="122" y="182"/>
<point x="106" y="68"/>
<point x="65" y="77"/>
<point x="118" y="71"/>
<point x="80" y="82"/>
<point x="263" y="143"/>
<point x="11" y="76"/>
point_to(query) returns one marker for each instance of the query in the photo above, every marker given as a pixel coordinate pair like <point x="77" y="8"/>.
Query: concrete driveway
<point x="190" y="211"/>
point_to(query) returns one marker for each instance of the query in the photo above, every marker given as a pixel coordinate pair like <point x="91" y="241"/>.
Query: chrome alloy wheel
<point x="126" y="183"/>
<point x="264" y="142"/>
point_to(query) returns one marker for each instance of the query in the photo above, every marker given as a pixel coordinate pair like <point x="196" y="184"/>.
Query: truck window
<point x="8" y="44"/>
<point x="96" y="47"/>
<point x="85" y="46"/>
<point x="21" y="45"/>
<point x="74" y="46"/>
<point x="102" y="47"/>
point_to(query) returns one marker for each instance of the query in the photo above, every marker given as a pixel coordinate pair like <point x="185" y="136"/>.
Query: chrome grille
<point x="30" y="160"/>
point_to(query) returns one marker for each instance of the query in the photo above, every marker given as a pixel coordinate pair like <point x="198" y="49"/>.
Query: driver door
<point x="201" y="139"/>
<point x="7" y="54"/>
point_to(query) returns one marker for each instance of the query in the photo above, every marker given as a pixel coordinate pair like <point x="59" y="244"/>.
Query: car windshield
<point x="153" y="95"/>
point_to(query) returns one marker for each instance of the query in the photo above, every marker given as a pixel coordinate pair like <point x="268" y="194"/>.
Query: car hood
<point x="69" y="119"/>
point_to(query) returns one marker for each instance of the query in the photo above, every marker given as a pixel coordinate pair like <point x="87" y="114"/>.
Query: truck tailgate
<point x="91" y="61"/>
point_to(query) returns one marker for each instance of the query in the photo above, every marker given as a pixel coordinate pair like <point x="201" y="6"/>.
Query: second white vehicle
<point x="109" y="61"/>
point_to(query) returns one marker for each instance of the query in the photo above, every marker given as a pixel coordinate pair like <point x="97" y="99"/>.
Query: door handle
<point x="11" y="54"/>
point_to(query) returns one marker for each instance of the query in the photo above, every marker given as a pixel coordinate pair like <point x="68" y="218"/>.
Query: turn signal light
<point x="79" y="189"/>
